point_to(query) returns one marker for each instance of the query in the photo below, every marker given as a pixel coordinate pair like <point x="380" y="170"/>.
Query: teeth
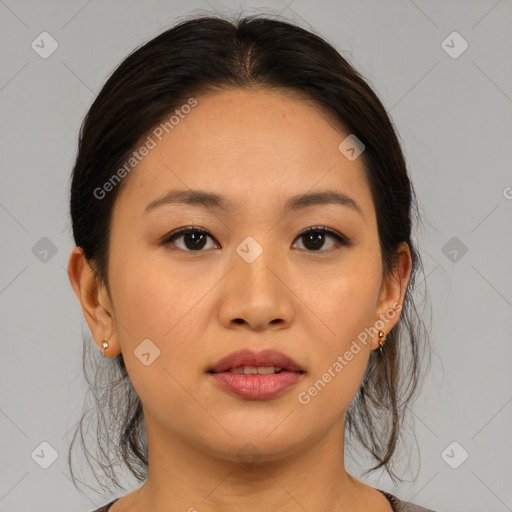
<point x="253" y="370"/>
<point x="266" y="370"/>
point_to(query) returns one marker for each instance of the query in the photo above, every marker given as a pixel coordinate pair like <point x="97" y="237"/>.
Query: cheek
<point x="339" y="367"/>
<point x="157" y="303"/>
<point x="348" y="303"/>
<point x="340" y="363"/>
<point x="158" y="307"/>
<point x="151" y="295"/>
<point x="349" y="299"/>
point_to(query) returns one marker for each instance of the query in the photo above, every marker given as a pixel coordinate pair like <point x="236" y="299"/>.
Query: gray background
<point x="454" y="118"/>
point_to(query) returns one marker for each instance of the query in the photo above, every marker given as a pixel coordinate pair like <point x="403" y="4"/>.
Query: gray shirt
<point x="396" y="504"/>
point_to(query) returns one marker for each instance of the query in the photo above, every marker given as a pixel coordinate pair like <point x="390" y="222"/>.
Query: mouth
<point x="256" y="375"/>
<point x="250" y="362"/>
<point x="257" y="370"/>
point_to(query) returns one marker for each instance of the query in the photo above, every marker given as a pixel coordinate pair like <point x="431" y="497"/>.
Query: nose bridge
<point x="255" y="294"/>
<point x="253" y="261"/>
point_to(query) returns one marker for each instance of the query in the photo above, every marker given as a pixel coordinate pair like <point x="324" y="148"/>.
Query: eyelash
<point x="340" y="239"/>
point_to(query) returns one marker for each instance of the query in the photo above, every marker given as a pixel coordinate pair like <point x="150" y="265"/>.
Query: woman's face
<point x="252" y="281"/>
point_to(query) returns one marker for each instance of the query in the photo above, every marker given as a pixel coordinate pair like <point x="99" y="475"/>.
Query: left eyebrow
<point x="211" y="200"/>
<point x="321" y="197"/>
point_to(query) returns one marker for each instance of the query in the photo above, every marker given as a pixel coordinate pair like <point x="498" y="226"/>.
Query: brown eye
<point x="194" y="239"/>
<point x="314" y="238"/>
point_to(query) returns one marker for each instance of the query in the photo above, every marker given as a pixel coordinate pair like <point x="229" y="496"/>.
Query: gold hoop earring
<point x="382" y="339"/>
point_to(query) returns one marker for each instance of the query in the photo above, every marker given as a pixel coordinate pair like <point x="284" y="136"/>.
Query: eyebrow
<point x="211" y="200"/>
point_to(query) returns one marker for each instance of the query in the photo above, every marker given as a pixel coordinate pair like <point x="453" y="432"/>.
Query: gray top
<point x="396" y="504"/>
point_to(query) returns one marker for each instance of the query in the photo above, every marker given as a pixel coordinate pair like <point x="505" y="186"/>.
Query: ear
<point x="393" y="291"/>
<point x="94" y="300"/>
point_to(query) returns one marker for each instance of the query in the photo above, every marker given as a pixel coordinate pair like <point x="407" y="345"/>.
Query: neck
<point x="311" y="477"/>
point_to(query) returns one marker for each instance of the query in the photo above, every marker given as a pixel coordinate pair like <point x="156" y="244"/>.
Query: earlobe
<point x="104" y="346"/>
<point x="91" y="297"/>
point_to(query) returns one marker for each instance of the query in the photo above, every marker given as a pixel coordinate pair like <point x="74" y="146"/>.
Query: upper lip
<point x="248" y="357"/>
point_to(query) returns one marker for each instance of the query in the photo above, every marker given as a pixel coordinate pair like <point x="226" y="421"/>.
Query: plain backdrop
<point x="441" y="68"/>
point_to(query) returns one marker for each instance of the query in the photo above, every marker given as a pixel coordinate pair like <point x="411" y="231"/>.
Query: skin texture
<point x="257" y="148"/>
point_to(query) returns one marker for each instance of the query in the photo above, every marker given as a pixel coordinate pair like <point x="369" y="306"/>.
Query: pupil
<point x="317" y="240"/>
<point x="196" y="238"/>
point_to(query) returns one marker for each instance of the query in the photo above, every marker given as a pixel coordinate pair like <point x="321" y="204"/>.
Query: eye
<point x="194" y="238"/>
<point x="315" y="237"/>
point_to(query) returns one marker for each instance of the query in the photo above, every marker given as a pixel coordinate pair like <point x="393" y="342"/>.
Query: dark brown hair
<point x="210" y="53"/>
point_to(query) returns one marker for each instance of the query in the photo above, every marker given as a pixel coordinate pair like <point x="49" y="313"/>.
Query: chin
<point x="250" y="444"/>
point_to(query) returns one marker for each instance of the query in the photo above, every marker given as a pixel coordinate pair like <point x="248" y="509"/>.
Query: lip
<point x="248" y="357"/>
<point x="256" y="387"/>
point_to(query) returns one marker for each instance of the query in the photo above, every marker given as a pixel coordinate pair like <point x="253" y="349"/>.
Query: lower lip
<point x="256" y="387"/>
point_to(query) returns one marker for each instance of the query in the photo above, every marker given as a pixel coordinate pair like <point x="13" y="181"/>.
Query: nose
<point x="256" y="294"/>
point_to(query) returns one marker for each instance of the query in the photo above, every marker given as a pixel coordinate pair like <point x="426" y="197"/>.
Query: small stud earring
<point x="104" y="345"/>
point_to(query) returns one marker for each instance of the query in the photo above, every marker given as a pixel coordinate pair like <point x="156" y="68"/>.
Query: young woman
<point x="242" y="214"/>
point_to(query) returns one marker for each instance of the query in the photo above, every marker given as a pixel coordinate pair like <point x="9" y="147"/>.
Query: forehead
<point x="250" y="146"/>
